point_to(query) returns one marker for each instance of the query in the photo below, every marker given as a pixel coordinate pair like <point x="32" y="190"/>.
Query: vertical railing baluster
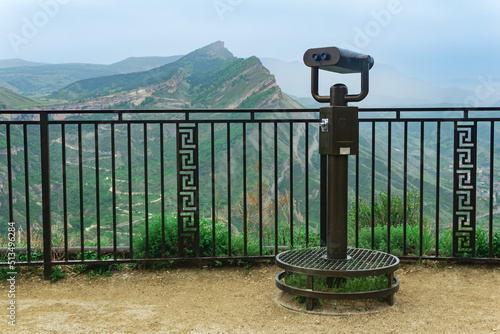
<point x="162" y="189"/>
<point x="65" y="191"/>
<point x="438" y="182"/>
<point x="9" y="173"/>
<point x="492" y="189"/>
<point x="356" y="199"/>
<point x="80" y="184"/>
<point x="261" y="229"/>
<point x="291" y="184"/>
<point x="389" y="190"/>
<point x="212" y="166"/>
<point x="27" y="192"/>
<point x="245" y="209"/>
<point x="276" y="191"/>
<point x="130" y="205"/>
<point x="146" y="188"/>
<point x="229" y="203"/>
<point x="47" y="223"/>
<point x="405" y="186"/>
<point x="421" y="219"/>
<point x="113" y="185"/>
<point x="97" y="189"/>
<point x="373" y="186"/>
<point x="306" y="172"/>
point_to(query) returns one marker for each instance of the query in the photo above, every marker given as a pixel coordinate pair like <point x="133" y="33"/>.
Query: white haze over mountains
<point x="390" y="87"/>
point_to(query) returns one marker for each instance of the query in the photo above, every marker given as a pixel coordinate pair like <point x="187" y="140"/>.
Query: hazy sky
<point x="443" y="39"/>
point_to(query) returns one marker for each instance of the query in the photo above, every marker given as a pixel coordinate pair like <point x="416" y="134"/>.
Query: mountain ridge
<point x="18" y="62"/>
<point x="208" y="78"/>
<point x="43" y="79"/>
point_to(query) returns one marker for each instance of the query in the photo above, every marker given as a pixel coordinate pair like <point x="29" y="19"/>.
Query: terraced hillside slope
<point x="210" y="77"/>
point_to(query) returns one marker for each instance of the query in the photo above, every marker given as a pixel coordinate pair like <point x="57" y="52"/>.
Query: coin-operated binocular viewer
<point x="338" y="138"/>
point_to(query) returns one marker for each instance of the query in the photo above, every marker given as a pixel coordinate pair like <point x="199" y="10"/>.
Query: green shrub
<point x="36" y="255"/>
<point x="299" y="236"/>
<point x="206" y="238"/>
<point x="57" y="274"/>
<point x="96" y="269"/>
<point x="4" y="272"/>
<point x="155" y="238"/>
<point x="380" y="207"/>
<point x="446" y="243"/>
<point x="482" y="243"/>
<point x="397" y="239"/>
<point x="412" y="229"/>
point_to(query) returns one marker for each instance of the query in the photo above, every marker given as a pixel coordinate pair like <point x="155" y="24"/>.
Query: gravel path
<point x="451" y="299"/>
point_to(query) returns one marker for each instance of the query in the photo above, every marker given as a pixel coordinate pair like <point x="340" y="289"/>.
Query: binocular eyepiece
<point x="337" y="60"/>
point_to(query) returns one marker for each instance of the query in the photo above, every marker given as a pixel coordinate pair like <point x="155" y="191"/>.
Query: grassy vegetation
<point x="414" y="230"/>
<point x="11" y="100"/>
<point x="47" y="78"/>
<point x="348" y="284"/>
<point x="210" y="77"/>
<point x="196" y="63"/>
<point x="170" y="247"/>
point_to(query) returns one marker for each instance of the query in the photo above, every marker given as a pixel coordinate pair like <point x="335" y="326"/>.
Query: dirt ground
<point x="445" y="299"/>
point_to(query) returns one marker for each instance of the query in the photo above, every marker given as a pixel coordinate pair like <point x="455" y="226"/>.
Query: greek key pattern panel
<point x="464" y="189"/>
<point x="187" y="188"/>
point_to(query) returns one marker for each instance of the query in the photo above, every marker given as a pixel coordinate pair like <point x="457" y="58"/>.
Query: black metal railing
<point x="142" y="186"/>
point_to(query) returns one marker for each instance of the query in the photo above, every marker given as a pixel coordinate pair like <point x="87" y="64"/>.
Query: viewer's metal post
<point x="339" y="132"/>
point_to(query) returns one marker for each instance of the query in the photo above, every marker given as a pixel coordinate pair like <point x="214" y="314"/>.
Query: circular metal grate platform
<point x="362" y="262"/>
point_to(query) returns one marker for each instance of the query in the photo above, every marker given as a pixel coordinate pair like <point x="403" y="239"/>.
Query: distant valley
<point x="37" y="79"/>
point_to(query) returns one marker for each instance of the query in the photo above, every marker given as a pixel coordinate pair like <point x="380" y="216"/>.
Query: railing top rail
<point x="243" y="111"/>
<point x="444" y="114"/>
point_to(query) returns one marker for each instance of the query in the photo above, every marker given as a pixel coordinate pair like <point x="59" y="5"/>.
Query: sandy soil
<point x="451" y="299"/>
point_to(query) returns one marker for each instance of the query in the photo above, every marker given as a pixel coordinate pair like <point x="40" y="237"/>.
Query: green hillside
<point x="16" y="62"/>
<point x="106" y="85"/>
<point x="210" y="77"/>
<point x="138" y="64"/>
<point x="41" y="80"/>
<point x="11" y="100"/>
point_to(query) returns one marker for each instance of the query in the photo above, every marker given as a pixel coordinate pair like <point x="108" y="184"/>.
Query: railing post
<point x="464" y="190"/>
<point x="188" y="202"/>
<point x="47" y="224"/>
